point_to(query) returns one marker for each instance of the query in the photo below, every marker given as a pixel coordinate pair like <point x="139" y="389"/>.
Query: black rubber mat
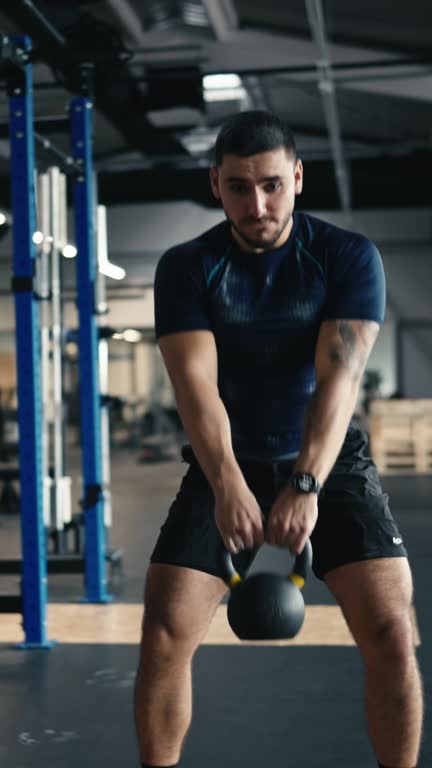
<point x="253" y="707"/>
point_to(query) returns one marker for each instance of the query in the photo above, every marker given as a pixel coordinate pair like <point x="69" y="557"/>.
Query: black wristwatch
<point x="303" y="482"/>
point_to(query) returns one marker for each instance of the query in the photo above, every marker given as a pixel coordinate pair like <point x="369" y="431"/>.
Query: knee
<point x="391" y="642"/>
<point x="164" y="643"/>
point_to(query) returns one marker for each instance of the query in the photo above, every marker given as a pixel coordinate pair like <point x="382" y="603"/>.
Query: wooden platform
<point x="120" y="624"/>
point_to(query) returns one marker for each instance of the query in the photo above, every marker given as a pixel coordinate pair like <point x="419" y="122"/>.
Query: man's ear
<point x="298" y="176"/>
<point x="214" y="181"/>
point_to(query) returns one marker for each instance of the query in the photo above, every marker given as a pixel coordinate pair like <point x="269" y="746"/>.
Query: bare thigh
<point x="373" y="595"/>
<point x="179" y="605"/>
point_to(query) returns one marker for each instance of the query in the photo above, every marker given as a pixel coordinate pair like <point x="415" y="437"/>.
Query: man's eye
<point x="272" y="186"/>
<point x="238" y="189"/>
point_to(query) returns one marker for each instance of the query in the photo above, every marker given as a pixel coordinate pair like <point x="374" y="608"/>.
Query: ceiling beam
<point x="326" y="87"/>
<point x="222" y="17"/>
<point x="223" y="20"/>
<point x="129" y="19"/>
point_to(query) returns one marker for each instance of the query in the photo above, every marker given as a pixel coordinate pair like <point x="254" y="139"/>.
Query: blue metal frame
<point x="34" y="550"/>
<point x="90" y="401"/>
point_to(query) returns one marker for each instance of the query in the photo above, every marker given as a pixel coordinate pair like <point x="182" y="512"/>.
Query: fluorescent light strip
<point x="225" y="94"/>
<point x="218" y="82"/>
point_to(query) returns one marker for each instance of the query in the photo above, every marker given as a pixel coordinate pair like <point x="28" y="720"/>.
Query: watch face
<point x="305" y="483"/>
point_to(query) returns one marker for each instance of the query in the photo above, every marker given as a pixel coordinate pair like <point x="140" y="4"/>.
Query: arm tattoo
<point x="352" y="347"/>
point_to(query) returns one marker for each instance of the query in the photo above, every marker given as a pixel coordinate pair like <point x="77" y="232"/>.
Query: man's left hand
<point x="292" y="520"/>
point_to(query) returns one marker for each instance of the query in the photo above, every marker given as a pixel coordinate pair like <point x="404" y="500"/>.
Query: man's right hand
<point x="192" y="364"/>
<point x="238" y="517"/>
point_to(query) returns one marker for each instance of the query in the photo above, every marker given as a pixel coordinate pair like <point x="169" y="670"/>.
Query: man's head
<point x="250" y="133"/>
<point x="256" y="176"/>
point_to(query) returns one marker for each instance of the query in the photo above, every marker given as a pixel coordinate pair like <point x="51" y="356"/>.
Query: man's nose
<point x="257" y="203"/>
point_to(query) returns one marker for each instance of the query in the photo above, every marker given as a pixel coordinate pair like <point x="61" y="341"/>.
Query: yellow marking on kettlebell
<point x="234" y="580"/>
<point x="297" y="580"/>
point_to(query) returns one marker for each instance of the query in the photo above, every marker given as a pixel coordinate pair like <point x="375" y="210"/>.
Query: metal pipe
<point x="336" y="67"/>
<point x="129" y="19"/>
<point x="222" y="17"/>
<point x="68" y="162"/>
<point x="326" y="86"/>
<point x="102" y="258"/>
<point x="47" y="25"/>
<point x="61" y="509"/>
<point x="43" y="288"/>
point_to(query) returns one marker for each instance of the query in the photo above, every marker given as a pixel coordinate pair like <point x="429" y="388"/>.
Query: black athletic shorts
<point x="354" y="519"/>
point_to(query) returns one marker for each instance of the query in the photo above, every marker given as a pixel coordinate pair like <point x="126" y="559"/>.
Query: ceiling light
<point x="131" y="335"/>
<point x="199" y="140"/>
<point x="38" y="238"/>
<point x="112" y="270"/>
<point x="216" y="82"/>
<point x="2" y="219"/>
<point x="223" y="88"/>
<point x="69" y="251"/>
<point x="225" y="94"/>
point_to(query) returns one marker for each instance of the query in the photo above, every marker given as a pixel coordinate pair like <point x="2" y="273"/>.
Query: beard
<point x="265" y="243"/>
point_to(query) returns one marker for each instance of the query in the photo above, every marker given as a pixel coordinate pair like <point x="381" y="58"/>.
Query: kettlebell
<point x="267" y="606"/>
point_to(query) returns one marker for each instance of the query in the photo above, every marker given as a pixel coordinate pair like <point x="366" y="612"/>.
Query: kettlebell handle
<point x="303" y="563"/>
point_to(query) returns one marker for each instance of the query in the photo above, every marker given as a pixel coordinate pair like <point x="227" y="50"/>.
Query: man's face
<point x="257" y="195"/>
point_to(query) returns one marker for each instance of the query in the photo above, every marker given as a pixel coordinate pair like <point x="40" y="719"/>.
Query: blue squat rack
<point x="90" y="398"/>
<point x="33" y="600"/>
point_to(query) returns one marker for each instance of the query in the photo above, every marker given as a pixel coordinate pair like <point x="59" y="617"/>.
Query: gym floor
<point x="280" y="704"/>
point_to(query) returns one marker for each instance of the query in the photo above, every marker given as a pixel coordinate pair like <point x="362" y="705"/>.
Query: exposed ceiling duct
<point x="161" y="14"/>
<point x="222" y="17"/>
<point x="92" y="48"/>
<point x="326" y="86"/>
<point x="129" y="20"/>
<point x="159" y="104"/>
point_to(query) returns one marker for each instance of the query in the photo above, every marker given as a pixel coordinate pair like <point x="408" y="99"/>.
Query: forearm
<point x="207" y="426"/>
<point x="326" y="422"/>
<point x="342" y="352"/>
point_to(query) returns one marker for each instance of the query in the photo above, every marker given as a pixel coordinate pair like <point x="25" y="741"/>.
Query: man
<point x="265" y="324"/>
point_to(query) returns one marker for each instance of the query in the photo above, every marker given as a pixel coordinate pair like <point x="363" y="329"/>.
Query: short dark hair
<point x="248" y="133"/>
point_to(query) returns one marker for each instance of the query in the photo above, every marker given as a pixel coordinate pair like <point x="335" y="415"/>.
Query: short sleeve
<point x="179" y="293"/>
<point x="356" y="284"/>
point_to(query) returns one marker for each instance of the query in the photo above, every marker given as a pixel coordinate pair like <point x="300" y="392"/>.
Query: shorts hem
<point x="321" y="574"/>
<point x="191" y="566"/>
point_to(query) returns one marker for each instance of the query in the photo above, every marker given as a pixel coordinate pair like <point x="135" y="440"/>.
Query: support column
<point x="90" y="401"/>
<point x="34" y="571"/>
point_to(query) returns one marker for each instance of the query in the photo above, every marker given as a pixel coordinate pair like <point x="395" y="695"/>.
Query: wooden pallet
<point x="423" y="432"/>
<point x="401" y="435"/>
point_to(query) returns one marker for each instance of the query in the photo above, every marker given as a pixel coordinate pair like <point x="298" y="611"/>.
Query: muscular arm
<point x="191" y="362"/>
<point x="343" y="349"/>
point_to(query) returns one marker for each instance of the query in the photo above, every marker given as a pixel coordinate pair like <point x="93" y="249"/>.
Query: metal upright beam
<point x="129" y="19"/>
<point x="326" y="86"/>
<point x="90" y="401"/>
<point x="43" y="22"/>
<point x="103" y="350"/>
<point x="222" y="17"/>
<point x="28" y="353"/>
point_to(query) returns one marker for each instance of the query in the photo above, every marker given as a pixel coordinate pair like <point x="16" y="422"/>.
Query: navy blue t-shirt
<point x="265" y="311"/>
